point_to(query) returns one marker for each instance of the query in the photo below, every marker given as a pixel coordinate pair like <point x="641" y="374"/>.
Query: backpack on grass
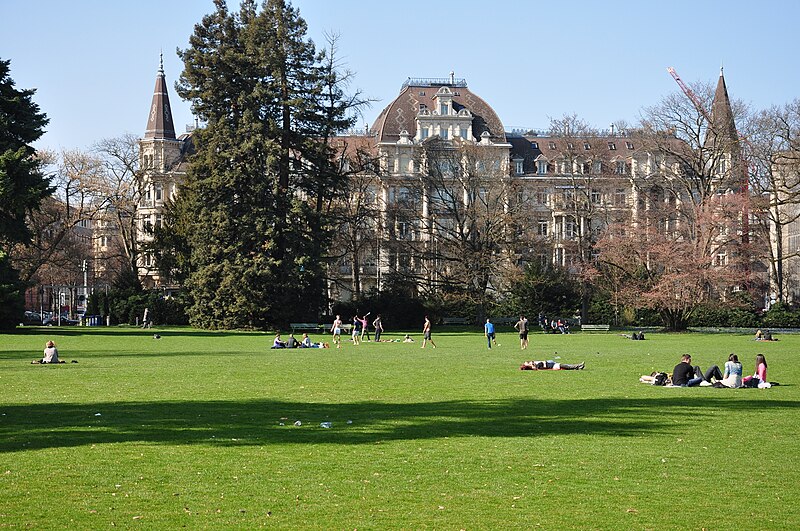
<point x="660" y="379"/>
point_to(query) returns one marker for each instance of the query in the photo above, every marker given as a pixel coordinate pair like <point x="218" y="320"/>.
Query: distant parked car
<point x="65" y="321"/>
<point x="32" y="318"/>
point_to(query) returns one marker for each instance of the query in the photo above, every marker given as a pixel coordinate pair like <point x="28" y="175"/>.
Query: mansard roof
<point x="159" y="121"/>
<point x="400" y="114"/>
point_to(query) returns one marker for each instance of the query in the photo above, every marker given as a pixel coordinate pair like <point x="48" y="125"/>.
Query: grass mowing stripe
<point x="197" y="429"/>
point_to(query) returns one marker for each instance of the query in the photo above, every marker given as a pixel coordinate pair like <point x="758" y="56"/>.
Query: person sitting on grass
<point x="307" y="343"/>
<point x="733" y="373"/>
<point x="278" y="343"/>
<point x="408" y="339"/>
<point x="550" y="365"/>
<point x="292" y="342"/>
<point x="50" y="354"/>
<point x="759" y="378"/>
<point x="686" y="375"/>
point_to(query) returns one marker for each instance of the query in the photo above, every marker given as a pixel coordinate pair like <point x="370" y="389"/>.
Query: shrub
<point x="782" y="316"/>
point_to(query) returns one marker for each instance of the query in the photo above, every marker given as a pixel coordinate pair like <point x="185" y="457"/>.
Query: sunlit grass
<point x="197" y="429"/>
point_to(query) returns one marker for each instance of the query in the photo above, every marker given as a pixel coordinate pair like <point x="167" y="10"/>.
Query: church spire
<point x="159" y="122"/>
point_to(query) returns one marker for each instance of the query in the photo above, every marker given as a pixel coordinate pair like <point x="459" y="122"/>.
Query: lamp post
<point x="85" y="291"/>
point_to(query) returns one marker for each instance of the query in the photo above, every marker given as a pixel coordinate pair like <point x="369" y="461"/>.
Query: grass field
<point x="197" y="430"/>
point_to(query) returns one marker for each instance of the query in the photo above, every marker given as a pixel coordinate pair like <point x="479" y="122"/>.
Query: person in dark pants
<point x="488" y="331"/>
<point x="686" y="375"/>
<point x="378" y="324"/>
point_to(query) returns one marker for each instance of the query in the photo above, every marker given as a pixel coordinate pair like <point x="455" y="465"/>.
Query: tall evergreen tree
<point x="251" y="208"/>
<point x="22" y="183"/>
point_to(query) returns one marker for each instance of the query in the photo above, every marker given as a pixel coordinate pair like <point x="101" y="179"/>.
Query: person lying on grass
<point x="550" y="365"/>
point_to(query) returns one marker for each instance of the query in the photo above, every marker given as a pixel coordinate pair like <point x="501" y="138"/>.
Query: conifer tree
<point x="22" y="184"/>
<point x="251" y="208"/>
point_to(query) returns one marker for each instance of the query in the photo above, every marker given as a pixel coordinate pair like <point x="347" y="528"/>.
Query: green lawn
<point x="197" y="430"/>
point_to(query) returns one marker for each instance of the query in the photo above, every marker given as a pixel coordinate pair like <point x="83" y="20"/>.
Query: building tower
<point x="162" y="163"/>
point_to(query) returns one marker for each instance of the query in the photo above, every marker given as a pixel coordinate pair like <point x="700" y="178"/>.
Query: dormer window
<point x="586" y="146"/>
<point x="535" y="145"/>
<point x="612" y="146"/>
<point x="620" y="168"/>
<point x="570" y="146"/>
<point x="443" y="109"/>
<point x="552" y="145"/>
<point x="629" y="145"/>
<point x="541" y="167"/>
<point x="519" y="167"/>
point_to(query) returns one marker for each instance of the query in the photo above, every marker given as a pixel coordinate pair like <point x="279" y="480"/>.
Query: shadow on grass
<point x="129" y="331"/>
<point x="257" y="422"/>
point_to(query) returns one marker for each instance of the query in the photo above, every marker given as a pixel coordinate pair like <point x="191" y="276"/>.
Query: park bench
<point x="455" y="320"/>
<point x="304" y="326"/>
<point x="595" y="328"/>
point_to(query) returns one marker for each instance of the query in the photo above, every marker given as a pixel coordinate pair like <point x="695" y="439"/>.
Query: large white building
<point x="565" y="187"/>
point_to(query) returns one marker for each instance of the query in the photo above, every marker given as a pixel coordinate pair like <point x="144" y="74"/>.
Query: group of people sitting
<point x="293" y="343"/>
<point x="553" y="326"/>
<point x="764" y="336"/>
<point x="636" y="336"/>
<point x="687" y="375"/>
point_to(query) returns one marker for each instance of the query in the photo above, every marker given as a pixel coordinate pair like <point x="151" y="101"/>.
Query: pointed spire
<point x="159" y="122"/>
<point x="722" y="121"/>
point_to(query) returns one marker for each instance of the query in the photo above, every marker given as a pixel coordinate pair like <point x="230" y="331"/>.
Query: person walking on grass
<point x="426" y="333"/>
<point x="488" y="331"/>
<point x="336" y="330"/>
<point x="522" y="326"/>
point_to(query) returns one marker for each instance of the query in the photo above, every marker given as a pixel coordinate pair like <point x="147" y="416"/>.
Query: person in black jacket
<point x="686" y="375"/>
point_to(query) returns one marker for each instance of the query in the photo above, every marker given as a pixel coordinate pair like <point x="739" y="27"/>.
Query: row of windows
<point x="542" y="166"/>
<point x="444" y="133"/>
<point x="612" y="146"/>
<point x="541" y="197"/>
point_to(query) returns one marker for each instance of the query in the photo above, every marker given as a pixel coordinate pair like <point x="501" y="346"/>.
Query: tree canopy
<point x="22" y="183"/>
<point x="250" y="211"/>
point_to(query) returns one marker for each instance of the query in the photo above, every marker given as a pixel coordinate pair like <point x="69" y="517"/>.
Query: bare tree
<point x="355" y="215"/>
<point x="685" y="243"/>
<point x="774" y="145"/>
<point x="461" y="223"/>
<point x="120" y="190"/>
<point x="61" y="228"/>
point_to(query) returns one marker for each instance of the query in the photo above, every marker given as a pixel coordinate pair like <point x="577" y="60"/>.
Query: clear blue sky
<point x="93" y="62"/>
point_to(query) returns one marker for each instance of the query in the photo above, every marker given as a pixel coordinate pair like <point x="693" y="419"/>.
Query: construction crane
<point x="690" y="94"/>
<point x="745" y="187"/>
